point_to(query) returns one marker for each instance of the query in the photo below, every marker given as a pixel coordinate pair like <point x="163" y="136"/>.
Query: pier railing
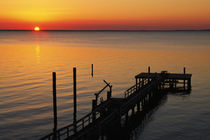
<point x="130" y="91"/>
<point x="137" y="86"/>
<point x="69" y="130"/>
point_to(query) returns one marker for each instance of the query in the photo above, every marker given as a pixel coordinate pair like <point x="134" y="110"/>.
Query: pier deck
<point x="115" y="112"/>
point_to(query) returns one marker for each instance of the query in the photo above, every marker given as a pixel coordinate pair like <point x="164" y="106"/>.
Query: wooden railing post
<point x="54" y="107"/>
<point x="75" y="99"/>
<point x="142" y="82"/>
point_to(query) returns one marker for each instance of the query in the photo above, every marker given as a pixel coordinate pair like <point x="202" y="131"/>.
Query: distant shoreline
<point x="116" y="30"/>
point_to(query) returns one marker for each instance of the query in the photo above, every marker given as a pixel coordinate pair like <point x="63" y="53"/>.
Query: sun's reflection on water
<point x="37" y="54"/>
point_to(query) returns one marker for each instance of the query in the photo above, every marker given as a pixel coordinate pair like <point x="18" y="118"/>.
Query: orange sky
<point x="105" y="14"/>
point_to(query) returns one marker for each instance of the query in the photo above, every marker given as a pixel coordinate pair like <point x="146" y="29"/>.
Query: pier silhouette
<point x="112" y="118"/>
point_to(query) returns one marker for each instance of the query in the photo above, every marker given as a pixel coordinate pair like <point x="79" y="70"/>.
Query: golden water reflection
<point x="38" y="54"/>
<point x="26" y="75"/>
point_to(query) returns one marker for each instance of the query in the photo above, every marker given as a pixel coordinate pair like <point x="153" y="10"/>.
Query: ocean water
<point x="27" y="60"/>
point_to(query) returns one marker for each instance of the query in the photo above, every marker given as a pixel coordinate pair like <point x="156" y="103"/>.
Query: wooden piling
<point x="75" y="99"/>
<point x="54" y="107"/>
<point x="149" y="69"/>
<point x="184" y="79"/>
<point x="92" y="70"/>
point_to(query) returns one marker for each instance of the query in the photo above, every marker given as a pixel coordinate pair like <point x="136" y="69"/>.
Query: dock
<point x="109" y="114"/>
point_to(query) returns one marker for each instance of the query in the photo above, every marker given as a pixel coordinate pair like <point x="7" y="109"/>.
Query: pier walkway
<point x="114" y="112"/>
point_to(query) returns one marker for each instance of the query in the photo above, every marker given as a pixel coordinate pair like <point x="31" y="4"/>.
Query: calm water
<point x="28" y="58"/>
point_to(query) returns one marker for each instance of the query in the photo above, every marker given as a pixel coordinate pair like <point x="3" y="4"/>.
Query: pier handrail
<point x="142" y="91"/>
<point x="130" y="91"/>
<point x="69" y="129"/>
<point x="134" y="88"/>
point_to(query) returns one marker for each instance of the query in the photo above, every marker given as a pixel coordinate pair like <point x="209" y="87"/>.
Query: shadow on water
<point x="138" y="121"/>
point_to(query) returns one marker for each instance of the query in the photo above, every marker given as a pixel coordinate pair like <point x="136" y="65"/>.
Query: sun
<point x="36" y="28"/>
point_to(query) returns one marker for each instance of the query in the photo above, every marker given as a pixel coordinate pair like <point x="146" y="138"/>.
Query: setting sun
<point x="36" y="28"/>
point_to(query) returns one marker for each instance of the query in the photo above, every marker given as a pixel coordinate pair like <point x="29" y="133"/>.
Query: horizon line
<point x="111" y="30"/>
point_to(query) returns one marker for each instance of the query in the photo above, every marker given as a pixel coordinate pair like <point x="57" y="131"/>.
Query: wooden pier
<point x="110" y="114"/>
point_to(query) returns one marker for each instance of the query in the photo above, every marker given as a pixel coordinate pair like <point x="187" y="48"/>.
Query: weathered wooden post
<point x="184" y="77"/>
<point x="110" y="88"/>
<point x="149" y="69"/>
<point x="92" y="70"/>
<point x="54" y="107"/>
<point x="75" y="99"/>
<point x="149" y="73"/>
<point x="109" y="93"/>
<point x="189" y="84"/>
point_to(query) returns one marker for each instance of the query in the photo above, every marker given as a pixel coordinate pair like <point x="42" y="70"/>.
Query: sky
<point x="105" y="14"/>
